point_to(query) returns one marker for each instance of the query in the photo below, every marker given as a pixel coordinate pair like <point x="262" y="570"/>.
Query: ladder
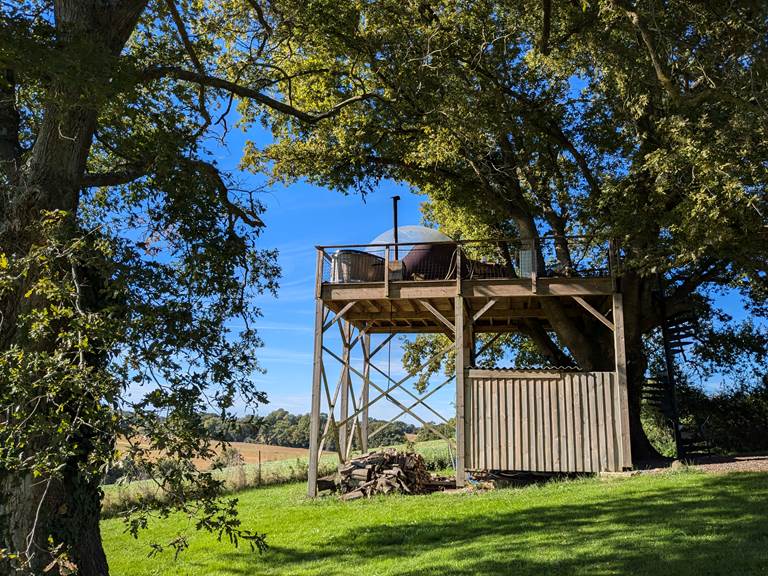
<point x="660" y="391"/>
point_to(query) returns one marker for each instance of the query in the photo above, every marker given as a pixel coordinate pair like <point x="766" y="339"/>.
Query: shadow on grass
<point x="718" y="527"/>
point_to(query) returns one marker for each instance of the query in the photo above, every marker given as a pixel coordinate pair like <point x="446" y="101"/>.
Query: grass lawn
<point x="676" y="523"/>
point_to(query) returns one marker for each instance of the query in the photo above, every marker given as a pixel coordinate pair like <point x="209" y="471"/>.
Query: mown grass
<point x="685" y="523"/>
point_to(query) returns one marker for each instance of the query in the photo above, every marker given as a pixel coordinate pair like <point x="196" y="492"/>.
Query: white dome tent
<point x="411" y="235"/>
<point x="367" y="265"/>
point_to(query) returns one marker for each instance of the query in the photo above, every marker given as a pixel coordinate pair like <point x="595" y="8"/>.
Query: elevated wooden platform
<point x="549" y="421"/>
<point x="409" y="307"/>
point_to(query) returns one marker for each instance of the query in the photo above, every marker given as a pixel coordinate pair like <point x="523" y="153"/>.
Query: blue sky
<point x="298" y="218"/>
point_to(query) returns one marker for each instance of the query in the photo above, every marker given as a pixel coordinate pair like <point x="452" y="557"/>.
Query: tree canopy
<point x="641" y="121"/>
<point x="125" y="253"/>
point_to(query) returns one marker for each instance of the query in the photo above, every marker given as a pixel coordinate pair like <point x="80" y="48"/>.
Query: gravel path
<point x="716" y="464"/>
<point x="735" y="464"/>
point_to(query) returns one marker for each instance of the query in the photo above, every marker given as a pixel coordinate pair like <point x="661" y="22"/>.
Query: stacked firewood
<point x="384" y="472"/>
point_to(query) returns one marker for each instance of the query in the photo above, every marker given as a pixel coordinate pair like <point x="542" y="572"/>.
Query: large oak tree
<point x="125" y="251"/>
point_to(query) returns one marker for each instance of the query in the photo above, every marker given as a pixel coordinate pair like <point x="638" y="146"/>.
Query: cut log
<point x="326" y="483"/>
<point x="354" y="495"/>
<point x="385" y="472"/>
<point x="363" y="474"/>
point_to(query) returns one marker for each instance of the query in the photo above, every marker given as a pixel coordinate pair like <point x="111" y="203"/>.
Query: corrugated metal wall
<point x="543" y="421"/>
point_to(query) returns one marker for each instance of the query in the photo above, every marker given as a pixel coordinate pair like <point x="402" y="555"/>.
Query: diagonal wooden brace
<point x="596" y="313"/>
<point x="396" y="385"/>
<point x="436" y="313"/>
<point x="411" y="407"/>
<point x="340" y="315"/>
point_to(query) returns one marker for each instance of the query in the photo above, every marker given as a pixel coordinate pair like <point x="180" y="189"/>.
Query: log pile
<point x="385" y="472"/>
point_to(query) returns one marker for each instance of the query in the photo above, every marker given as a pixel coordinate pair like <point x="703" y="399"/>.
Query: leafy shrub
<point x="734" y="420"/>
<point x="659" y="431"/>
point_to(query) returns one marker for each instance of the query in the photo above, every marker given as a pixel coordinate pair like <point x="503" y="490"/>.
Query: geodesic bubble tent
<point x="430" y="258"/>
<point x="411" y="235"/>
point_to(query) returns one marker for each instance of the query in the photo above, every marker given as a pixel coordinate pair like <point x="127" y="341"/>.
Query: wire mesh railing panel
<point x="353" y="264"/>
<point x="576" y="256"/>
<point x="428" y="261"/>
<point x="497" y="260"/>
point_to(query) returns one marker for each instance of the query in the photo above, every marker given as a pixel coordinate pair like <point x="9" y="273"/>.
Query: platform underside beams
<point x="434" y="314"/>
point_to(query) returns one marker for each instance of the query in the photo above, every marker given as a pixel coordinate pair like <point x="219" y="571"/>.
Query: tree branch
<point x="546" y="26"/>
<point x="187" y="42"/>
<point x="560" y="137"/>
<point x="413" y="168"/>
<point x="114" y="178"/>
<point x="260" y="15"/>
<point x="246" y="92"/>
<point x="249" y="217"/>
<point x="662" y="75"/>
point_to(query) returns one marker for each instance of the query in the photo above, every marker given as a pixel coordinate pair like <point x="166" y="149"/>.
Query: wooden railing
<point x="468" y="260"/>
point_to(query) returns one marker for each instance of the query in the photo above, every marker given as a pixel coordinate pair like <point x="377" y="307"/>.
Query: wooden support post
<point x="621" y="378"/>
<point x="366" y="390"/>
<point x="462" y="354"/>
<point x="386" y="272"/>
<point x="613" y="264"/>
<point x="317" y="371"/>
<point x="458" y="268"/>
<point x="346" y="333"/>
<point x="470" y="344"/>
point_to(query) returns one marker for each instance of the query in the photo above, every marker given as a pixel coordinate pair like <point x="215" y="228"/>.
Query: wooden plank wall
<point x="543" y="421"/>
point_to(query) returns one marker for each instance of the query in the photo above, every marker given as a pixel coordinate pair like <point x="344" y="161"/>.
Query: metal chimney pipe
<point x="394" y="217"/>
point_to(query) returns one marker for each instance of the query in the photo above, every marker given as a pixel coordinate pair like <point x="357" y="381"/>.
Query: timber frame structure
<point x="551" y="420"/>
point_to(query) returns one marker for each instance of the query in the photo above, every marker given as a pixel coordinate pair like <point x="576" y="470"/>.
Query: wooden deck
<point x="417" y="306"/>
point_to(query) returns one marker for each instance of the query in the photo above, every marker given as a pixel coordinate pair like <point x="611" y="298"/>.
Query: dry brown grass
<point x="251" y="453"/>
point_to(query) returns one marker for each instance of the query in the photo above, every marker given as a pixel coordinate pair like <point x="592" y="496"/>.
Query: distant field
<point x="435" y="452"/>
<point x="685" y="523"/>
<point x="250" y="452"/>
<point x="278" y="466"/>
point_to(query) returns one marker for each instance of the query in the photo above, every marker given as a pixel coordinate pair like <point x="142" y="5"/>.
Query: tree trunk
<point x="637" y="307"/>
<point x="54" y="523"/>
<point x="65" y="512"/>
<point x="591" y="346"/>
